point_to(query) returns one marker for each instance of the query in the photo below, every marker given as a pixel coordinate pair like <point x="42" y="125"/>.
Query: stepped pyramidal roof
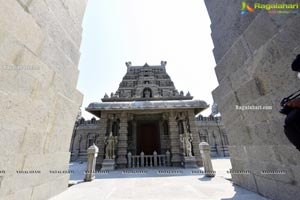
<point x="146" y="82"/>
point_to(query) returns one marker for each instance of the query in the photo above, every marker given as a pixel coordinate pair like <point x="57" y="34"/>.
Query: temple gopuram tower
<point x="148" y="116"/>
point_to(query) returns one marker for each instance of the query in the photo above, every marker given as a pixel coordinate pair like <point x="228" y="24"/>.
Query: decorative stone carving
<point x="138" y="78"/>
<point x="113" y="117"/>
<point x="122" y="140"/>
<point x="182" y="121"/>
<point x="114" y="123"/>
<point x="163" y="63"/>
<point x="175" y="140"/>
<point x="176" y="93"/>
<point x="187" y="139"/>
<point x="165" y="116"/>
<point x="128" y="64"/>
<point x="147" y="94"/>
<point x="110" y="143"/>
<point x="196" y="140"/>
<point x="181" y="116"/>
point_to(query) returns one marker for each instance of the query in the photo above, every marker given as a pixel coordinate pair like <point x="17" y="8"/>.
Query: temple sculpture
<point x="110" y="143"/>
<point x="186" y="139"/>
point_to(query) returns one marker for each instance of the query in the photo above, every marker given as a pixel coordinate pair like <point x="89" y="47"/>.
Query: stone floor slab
<point x="156" y="184"/>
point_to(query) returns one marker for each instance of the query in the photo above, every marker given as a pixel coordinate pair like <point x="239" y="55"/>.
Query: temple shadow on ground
<point x="242" y="193"/>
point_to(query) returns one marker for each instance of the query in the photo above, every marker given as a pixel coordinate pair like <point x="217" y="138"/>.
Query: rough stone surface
<point x="253" y="54"/>
<point x="39" y="45"/>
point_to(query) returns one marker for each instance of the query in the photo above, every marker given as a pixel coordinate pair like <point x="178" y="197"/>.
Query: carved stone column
<point x="176" y="157"/>
<point x="122" y="142"/>
<point x="134" y="126"/>
<point x="196" y="139"/>
<point x="102" y="132"/>
<point x="161" y="136"/>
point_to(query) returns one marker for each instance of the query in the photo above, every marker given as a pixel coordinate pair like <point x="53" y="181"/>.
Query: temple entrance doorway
<point x="148" y="139"/>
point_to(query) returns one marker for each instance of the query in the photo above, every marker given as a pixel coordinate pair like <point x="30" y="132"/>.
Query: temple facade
<point x="148" y="122"/>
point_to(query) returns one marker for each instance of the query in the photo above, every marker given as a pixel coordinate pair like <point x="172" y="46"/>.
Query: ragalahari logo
<point x="246" y="8"/>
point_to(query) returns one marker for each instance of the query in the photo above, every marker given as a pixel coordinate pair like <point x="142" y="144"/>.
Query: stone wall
<point x="212" y="130"/>
<point x="39" y="55"/>
<point x="253" y="55"/>
<point x="85" y="133"/>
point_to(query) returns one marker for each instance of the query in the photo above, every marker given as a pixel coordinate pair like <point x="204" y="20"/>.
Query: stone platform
<point x="190" y="162"/>
<point x="159" y="183"/>
<point x="108" y="164"/>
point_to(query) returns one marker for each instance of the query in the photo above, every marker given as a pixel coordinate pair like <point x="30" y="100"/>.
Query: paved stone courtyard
<point x="156" y="183"/>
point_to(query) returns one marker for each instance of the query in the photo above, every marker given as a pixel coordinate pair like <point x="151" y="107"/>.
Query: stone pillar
<point x="205" y="152"/>
<point x="168" y="158"/>
<point x="142" y="159"/>
<point x="102" y="132"/>
<point x="134" y="127"/>
<point x="129" y="160"/>
<point x="155" y="159"/>
<point x="161" y="136"/>
<point x="175" y="141"/>
<point x="92" y="153"/>
<point x="196" y="139"/>
<point x="122" y="142"/>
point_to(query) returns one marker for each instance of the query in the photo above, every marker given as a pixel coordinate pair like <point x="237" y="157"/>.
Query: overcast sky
<point x="140" y="31"/>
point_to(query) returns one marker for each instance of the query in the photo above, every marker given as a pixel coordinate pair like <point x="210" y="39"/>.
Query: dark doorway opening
<point x="148" y="139"/>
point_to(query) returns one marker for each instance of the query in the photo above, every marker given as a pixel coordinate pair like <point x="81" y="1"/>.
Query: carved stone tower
<point x="146" y="83"/>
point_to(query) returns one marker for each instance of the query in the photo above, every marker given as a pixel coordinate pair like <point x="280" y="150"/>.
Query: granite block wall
<point x="253" y="53"/>
<point x="39" y="55"/>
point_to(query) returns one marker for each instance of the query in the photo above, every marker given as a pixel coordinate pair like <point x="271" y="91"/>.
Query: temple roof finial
<point x="128" y="64"/>
<point x="163" y="63"/>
